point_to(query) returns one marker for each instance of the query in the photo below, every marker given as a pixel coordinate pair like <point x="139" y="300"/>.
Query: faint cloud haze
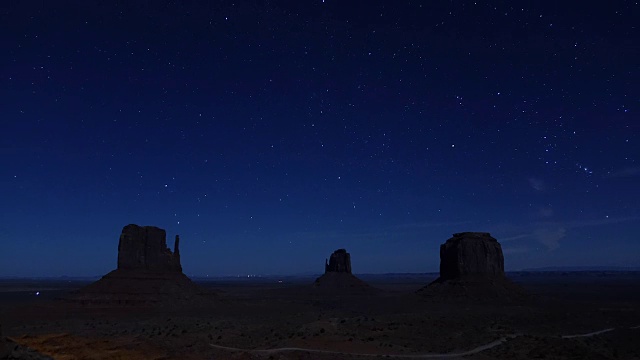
<point x="550" y="233"/>
<point x="550" y="237"/>
<point x="515" y="237"/>
<point x="546" y="212"/>
<point x="537" y="184"/>
<point x="604" y="221"/>
<point x="515" y="250"/>
<point x="429" y="224"/>
<point x="625" y="172"/>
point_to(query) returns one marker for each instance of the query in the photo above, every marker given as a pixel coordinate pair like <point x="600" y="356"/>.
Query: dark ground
<point x="266" y="313"/>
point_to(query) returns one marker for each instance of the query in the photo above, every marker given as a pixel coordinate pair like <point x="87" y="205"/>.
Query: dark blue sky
<point x="270" y="133"/>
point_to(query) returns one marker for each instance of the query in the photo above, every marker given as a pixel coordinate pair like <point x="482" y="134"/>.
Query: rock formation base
<point x="341" y="283"/>
<point x="138" y="288"/>
<point x="475" y="290"/>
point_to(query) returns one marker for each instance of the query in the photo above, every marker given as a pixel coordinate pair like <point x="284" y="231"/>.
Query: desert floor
<point x="284" y="318"/>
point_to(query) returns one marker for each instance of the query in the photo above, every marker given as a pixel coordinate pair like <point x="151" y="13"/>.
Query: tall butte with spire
<point x="145" y="248"/>
<point x="148" y="273"/>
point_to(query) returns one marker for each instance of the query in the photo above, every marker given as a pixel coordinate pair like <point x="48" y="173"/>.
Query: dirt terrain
<point x="589" y="315"/>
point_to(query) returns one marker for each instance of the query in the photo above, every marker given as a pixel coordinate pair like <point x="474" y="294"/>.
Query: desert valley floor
<point x="286" y="318"/>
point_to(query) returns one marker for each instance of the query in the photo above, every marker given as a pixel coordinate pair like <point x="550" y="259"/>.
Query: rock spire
<point x="145" y="248"/>
<point x="339" y="261"/>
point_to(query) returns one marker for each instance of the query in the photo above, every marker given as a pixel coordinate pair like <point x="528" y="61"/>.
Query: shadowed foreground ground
<point x="267" y="315"/>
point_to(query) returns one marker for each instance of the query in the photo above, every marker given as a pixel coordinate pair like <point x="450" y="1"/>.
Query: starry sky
<point x="269" y="133"/>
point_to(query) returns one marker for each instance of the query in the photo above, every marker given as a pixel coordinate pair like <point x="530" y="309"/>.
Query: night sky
<point x="269" y="133"/>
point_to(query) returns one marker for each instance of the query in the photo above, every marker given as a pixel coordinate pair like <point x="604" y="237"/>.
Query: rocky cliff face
<point x="471" y="254"/>
<point x="9" y="350"/>
<point x="339" y="261"/>
<point x="145" y="248"/>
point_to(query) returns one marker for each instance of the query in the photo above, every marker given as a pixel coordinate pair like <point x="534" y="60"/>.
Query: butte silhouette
<point x="337" y="276"/>
<point x="472" y="269"/>
<point x="148" y="273"/>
